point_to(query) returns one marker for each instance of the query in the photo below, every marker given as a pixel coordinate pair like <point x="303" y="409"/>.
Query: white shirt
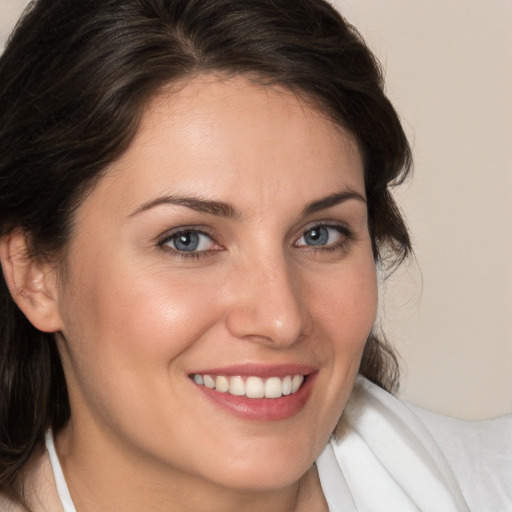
<point x="391" y="456"/>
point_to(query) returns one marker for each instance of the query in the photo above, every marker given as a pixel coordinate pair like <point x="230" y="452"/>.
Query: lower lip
<point x="262" y="409"/>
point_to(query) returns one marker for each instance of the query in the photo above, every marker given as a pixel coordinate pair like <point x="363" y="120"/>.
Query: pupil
<point x="187" y="242"/>
<point x="317" y="236"/>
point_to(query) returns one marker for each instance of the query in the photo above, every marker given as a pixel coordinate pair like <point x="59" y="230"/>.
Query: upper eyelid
<point x="341" y="228"/>
<point x="166" y="235"/>
<point x="325" y="223"/>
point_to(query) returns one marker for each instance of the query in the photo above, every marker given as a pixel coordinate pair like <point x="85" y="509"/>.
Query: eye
<point x="319" y="236"/>
<point x="189" y="241"/>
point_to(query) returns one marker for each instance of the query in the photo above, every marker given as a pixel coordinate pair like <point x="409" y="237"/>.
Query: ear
<point x="31" y="281"/>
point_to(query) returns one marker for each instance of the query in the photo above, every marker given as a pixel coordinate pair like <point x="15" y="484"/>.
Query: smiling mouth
<point x="251" y="386"/>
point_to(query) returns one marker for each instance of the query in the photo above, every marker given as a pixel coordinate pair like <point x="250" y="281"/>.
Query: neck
<point x="101" y="477"/>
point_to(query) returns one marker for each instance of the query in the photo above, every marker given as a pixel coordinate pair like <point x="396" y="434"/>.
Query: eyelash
<point x="169" y="237"/>
<point x="347" y="237"/>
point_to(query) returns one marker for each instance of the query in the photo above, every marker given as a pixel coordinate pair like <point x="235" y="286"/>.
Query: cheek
<point x="125" y="336"/>
<point x="143" y="312"/>
<point x="361" y="301"/>
<point x="348" y="308"/>
<point x="125" y="333"/>
<point x="346" y="301"/>
<point x="343" y="306"/>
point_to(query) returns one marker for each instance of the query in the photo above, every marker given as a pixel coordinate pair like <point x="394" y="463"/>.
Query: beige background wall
<point x="449" y="73"/>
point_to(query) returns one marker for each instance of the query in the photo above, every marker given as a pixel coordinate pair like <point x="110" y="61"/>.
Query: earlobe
<point x="31" y="281"/>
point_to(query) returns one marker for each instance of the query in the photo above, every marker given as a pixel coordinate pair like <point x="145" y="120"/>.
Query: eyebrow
<point x="217" y="208"/>
<point x="332" y="200"/>
<point x="221" y="209"/>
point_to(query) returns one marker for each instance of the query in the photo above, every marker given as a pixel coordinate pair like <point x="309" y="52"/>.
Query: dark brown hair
<point x="74" y="80"/>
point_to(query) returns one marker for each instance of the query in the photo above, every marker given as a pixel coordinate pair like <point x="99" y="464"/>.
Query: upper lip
<point x="258" y="370"/>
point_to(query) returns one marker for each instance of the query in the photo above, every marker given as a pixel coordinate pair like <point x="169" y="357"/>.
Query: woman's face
<point x="228" y="247"/>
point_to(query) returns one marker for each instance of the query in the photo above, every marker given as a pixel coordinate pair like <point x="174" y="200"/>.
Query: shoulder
<point x="479" y="453"/>
<point x="38" y="485"/>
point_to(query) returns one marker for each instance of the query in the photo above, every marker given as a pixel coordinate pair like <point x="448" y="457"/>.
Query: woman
<point x="195" y="196"/>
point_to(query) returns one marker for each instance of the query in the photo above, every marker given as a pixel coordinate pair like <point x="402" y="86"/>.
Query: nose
<point x="267" y="303"/>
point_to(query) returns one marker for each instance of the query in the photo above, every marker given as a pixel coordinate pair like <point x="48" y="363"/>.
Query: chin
<point x="263" y="477"/>
<point x="264" y="469"/>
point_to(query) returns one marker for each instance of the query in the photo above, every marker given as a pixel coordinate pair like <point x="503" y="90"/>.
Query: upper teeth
<point x="252" y="387"/>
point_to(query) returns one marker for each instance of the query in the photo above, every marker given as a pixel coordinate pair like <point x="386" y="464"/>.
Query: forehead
<point x="236" y="141"/>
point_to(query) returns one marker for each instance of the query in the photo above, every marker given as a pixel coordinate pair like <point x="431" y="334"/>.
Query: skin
<point x="136" y="317"/>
